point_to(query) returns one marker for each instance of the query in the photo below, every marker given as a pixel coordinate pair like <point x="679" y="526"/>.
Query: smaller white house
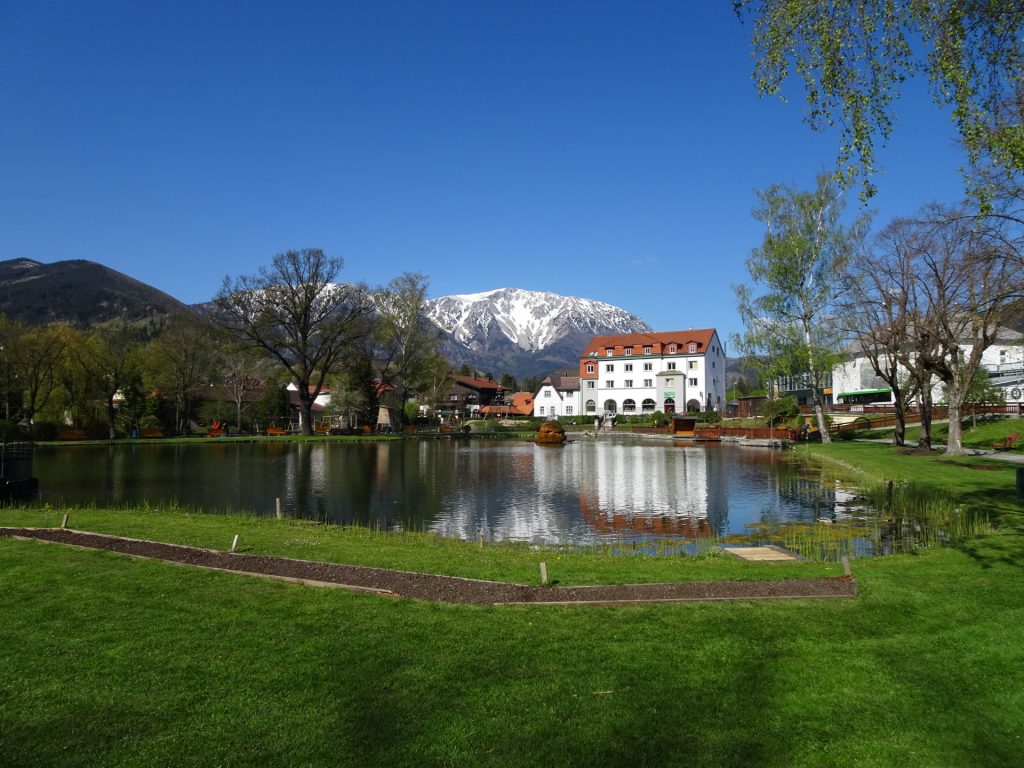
<point x="855" y="381"/>
<point x="559" y="395"/>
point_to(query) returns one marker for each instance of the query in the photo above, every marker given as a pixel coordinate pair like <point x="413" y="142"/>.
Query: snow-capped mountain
<point x="525" y="333"/>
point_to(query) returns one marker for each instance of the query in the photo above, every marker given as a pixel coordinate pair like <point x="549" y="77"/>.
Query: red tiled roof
<point x="521" y="405"/>
<point x="475" y="383"/>
<point x="633" y="340"/>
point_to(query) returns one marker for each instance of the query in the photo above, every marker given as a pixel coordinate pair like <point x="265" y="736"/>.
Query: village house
<point x="468" y="394"/>
<point x="559" y="395"/>
<point x="671" y="372"/>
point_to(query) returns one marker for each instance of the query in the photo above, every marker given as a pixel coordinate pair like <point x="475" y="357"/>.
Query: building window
<point x="542" y="410"/>
<point x="671" y="366"/>
<point x="628" y="383"/>
<point x="671" y="349"/>
<point x="610" y="368"/>
<point x="610" y="384"/>
<point x="547" y="393"/>
<point x="648" y="366"/>
<point x="590" y="367"/>
<point x="629" y="350"/>
<point x="590" y="384"/>
<point x="692" y="365"/>
<point x="648" y="382"/>
<point x="693" y="347"/>
<point x="670" y="405"/>
<point x="610" y="407"/>
<point x="454" y="398"/>
<point x="629" y="366"/>
<point x="647" y="350"/>
<point x="647" y="406"/>
<point x="670" y="382"/>
<point x="693" y="382"/>
<point x="608" y="352"/>
<point x="629" y="406"/>
<point x="591" y="406"/>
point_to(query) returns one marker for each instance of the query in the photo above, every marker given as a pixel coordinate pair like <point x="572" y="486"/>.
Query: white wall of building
<point x="549" y="401"/>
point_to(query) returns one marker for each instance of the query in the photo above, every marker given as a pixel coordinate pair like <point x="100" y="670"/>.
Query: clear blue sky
<point x="601" y="149"/>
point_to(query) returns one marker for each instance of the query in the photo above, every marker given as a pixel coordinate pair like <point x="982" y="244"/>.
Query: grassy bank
<point x="106" y="660"/>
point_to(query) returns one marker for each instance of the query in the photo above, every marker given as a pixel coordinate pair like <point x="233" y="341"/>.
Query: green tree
<point x="108" y="358"/>
<point x="532" y="384"/>
<point x="406" y="339"/>
<point x="178" y="362"/>
<point x="798" y="273"/>
<point x="295" y="311"/>
<point x="854" y="57"/>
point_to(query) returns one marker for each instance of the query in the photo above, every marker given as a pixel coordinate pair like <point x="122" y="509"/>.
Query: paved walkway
<point x="1009" y="456"/>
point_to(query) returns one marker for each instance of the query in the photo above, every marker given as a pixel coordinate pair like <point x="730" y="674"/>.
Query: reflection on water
<point x="587" y="491"/>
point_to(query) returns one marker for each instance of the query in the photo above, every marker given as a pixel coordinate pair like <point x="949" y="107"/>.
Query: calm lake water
<point x="589" y="491"/>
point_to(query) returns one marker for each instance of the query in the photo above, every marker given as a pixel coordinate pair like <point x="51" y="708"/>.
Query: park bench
<point x="148" y="433"/>
<point x="72" y="434"/>
<point x="1007" y="443"/>
<point x="275" y="432"/>
<point x="323" y="429"/>
<point x="215" y="433"/>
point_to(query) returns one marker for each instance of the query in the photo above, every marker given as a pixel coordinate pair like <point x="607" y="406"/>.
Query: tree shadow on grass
<point x="1006" y="514"/>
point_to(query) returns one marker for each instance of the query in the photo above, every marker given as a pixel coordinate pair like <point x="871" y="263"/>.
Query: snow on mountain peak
<point x="531" y="320"/>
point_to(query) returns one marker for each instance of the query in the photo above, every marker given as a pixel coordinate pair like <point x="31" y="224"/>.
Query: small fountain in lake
<point x="550" y="433"/>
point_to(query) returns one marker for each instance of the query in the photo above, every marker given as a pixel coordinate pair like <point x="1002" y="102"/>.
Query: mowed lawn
<point x="108" y="660"/>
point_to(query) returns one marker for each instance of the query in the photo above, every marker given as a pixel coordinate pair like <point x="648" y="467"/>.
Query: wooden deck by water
<point x="762" y="554"/>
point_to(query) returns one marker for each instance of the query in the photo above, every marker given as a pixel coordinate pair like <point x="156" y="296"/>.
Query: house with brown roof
<point x="468" y="394"/>
<point x="559" y="395"/>
<point x="673" y="371"/>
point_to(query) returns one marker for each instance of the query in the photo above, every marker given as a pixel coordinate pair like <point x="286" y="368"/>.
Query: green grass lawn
<point x="982" y="436"/>
<point x="107" y="660"/>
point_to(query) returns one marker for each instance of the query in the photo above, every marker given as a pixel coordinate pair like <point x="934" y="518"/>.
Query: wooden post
<point x="543" y="573"/>
<point x="846" y="566"/>
<point x="234" y="543"/>
<point x="277" y="509"/>
<point x="481" y="539"/>
<point x="64" y="522"/>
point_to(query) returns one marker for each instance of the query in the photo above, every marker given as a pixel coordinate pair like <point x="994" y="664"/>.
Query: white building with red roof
<point x="637" y="373"/>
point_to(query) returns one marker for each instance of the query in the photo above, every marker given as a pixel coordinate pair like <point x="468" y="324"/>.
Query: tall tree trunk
<point x="111" y="414"/>
<point x="899" y="433"/>
<point x="925" y="407"/>
<point x="815" y="395"/>
<point x="954" y="440"/>
<point x="306" y="410"/>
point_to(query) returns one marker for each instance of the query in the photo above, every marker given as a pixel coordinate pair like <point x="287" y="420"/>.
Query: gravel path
<point x="448" y="589"/>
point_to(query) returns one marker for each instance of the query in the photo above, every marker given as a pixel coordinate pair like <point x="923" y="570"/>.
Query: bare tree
<point x="295" y="311"/>
<point x="969" y="281"/>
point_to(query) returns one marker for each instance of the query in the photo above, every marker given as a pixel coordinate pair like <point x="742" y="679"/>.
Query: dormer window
<point x="671" y="349"/>
<point x="590" y="367"/>
<point x="609" y="352"/>
<point x="629" y="351"/>
<point x="693" y="347"/>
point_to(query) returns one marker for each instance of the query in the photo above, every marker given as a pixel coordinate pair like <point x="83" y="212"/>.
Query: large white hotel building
<point x="671" y="372"/>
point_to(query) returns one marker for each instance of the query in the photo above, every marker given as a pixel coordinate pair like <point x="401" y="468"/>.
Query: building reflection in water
<point x="586" y="492"/>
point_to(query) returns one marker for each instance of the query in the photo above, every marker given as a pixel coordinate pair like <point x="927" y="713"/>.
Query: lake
<point x="612" y="489"/>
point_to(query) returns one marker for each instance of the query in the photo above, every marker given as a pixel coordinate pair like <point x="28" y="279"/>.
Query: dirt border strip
<point x="432" y="587"/>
